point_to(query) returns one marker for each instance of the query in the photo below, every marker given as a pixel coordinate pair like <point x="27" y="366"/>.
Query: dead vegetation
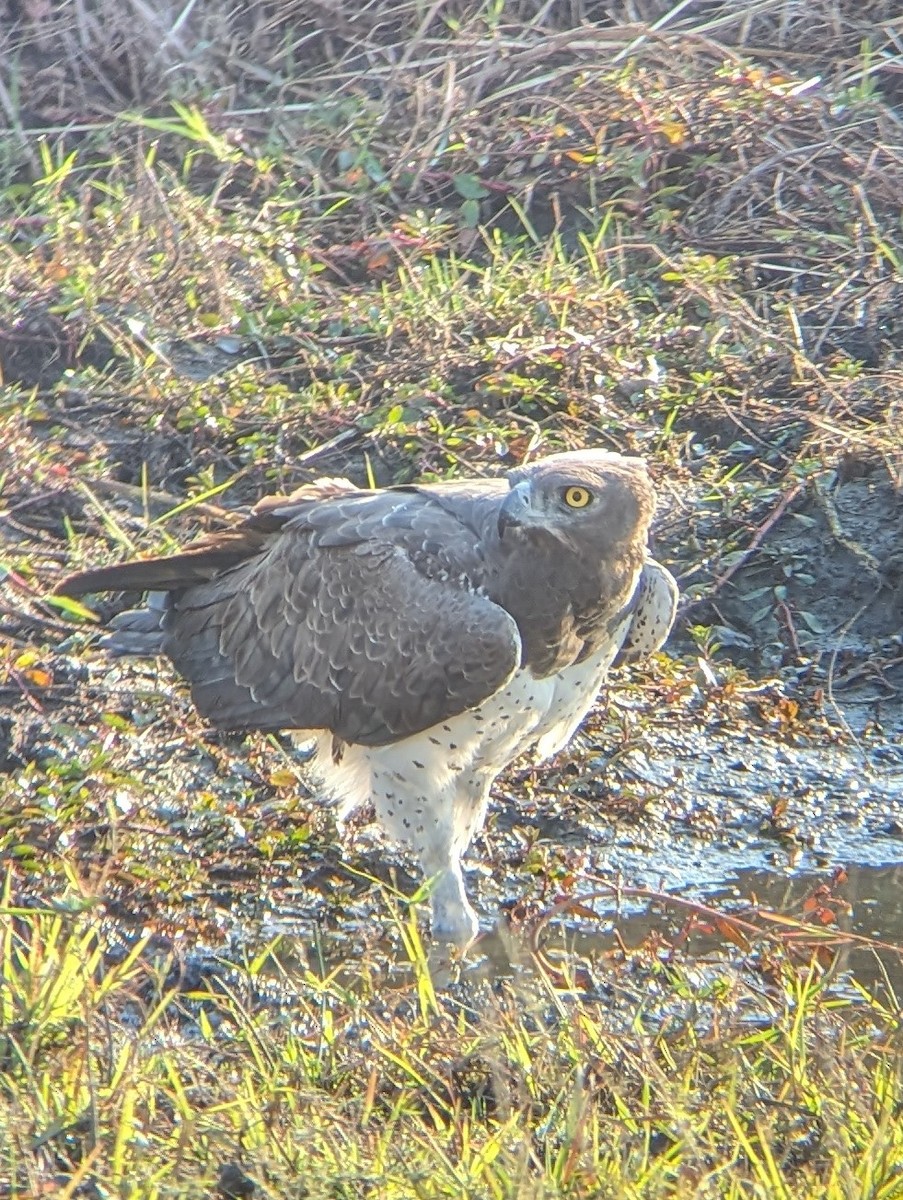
<point x="247" y="245"/>
<point x="94" y="60"/>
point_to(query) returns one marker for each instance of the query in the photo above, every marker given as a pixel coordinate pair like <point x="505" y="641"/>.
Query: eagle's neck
<point x="565" y="606"/>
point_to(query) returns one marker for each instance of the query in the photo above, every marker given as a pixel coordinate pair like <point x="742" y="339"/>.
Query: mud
<point x="734" y="821"/>
<point x="699" y="777"/>
<point x="826" y="587"/>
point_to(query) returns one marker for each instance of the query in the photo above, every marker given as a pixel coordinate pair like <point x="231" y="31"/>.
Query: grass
<point x="672" y="1078"/>
<point x="428" y="242"/>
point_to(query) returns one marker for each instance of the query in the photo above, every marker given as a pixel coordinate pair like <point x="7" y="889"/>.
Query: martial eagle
<point x="422" y="636"/>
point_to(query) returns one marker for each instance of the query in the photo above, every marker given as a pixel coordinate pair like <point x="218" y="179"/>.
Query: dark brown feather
<point x="164" y="574"/>
<point x="350" y="637"/>
<point x="377" y="615"/>
<point x="210" y="555"/>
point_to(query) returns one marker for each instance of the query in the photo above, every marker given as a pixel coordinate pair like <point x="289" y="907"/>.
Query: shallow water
<point x="580" y="948"/>
<point x="728" y="818"/>
<point x="742" y="821"/>
<point x="872" y="907"/>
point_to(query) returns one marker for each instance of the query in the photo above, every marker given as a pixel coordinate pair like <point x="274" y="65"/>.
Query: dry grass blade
<point x="242" y="246"/>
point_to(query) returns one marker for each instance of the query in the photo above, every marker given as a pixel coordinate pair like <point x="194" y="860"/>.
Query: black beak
<point x="515" y="509"/>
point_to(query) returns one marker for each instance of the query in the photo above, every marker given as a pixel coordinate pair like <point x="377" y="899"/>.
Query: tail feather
<point x="210" y="556"/>
<point x="140" y="630"/>
<point x="166" y="574"/>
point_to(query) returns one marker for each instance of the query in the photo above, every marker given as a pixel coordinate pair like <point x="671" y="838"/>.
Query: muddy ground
<point x="694" y="257"/>
<point x="761" y="764"/>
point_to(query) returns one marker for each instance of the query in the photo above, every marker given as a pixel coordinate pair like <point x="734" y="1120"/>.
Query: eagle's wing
<point x="210" y="555"/>
<point x="654" y="609"/>
<point x="361" y="615"/>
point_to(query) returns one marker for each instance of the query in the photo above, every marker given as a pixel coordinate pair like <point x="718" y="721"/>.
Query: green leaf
<point x="470" y="213"/>
<point x="72" y="608"/>
<point x="813" y="622"/>
<point x="469" y="187"/>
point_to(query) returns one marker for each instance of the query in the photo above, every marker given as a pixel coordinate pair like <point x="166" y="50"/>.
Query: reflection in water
<point x="874" y="896"/>
<point x="873" y="908"/>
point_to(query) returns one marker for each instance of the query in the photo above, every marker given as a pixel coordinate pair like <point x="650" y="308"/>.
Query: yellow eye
<point x="577" y="497"/>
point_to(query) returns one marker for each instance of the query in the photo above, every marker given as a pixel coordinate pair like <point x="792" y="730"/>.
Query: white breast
<point x="477" y="743"/>
<point x="574" y="692"/>
<point x="469" y="750"/>
<point x="430" y="790"/>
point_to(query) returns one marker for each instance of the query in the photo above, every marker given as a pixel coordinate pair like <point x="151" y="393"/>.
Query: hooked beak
<point x="515" y="510"/>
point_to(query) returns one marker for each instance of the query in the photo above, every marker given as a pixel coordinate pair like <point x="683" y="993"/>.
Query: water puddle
<point x="730" y="820"/>
<point x="866" y="902"/>
<point x="709" y="811"/>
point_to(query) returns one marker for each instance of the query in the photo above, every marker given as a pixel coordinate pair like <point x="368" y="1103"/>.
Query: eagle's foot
<point x="453" y="919"/>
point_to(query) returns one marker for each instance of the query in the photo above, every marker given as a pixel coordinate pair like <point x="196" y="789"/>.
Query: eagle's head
<point x="587" y="498"/>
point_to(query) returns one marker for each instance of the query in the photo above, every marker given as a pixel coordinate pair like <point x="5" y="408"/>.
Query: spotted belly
<point x="466" y="752"/>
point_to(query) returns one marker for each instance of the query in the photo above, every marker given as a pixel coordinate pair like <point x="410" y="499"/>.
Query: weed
<point x="428" y="241"/>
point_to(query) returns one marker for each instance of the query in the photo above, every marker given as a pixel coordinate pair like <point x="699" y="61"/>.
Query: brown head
<point x="591" y="499"/>
<point x="572" y="536"/>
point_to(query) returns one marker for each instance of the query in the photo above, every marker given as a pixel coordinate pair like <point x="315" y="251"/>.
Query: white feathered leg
<point x="435" y="813"/>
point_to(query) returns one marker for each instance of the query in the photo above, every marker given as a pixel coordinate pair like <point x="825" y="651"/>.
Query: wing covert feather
<point x="350" y="638"/>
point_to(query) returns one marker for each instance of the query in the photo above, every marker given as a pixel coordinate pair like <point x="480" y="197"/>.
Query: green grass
<point x="675" y="1079"/>
<point x="479" y="245"/>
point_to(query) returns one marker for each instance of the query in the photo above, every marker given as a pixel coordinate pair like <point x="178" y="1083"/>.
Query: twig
<point x="26" y="692"/>
<point x="784" y="609"/>
<point x="158" y="498"/>
<point x="757" y="539"/>
<point x="828" y="507"/>
<point x="34" y="621"/>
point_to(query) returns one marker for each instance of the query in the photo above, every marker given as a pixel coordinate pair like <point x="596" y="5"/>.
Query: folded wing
<point x="319" y="613"/>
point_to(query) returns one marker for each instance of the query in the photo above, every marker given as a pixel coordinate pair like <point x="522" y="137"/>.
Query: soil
<point x="689" y="778"/>
<point x="824" y="589"/>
